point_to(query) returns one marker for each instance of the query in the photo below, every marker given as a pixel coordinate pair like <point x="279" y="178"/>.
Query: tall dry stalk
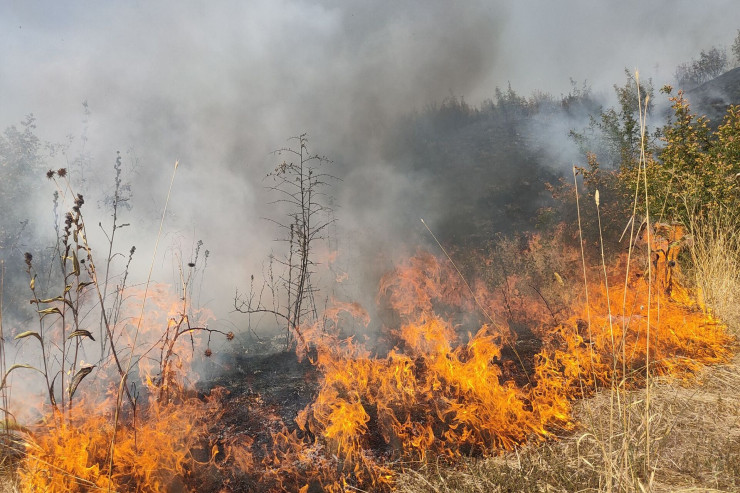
<point x="616" y="440"/>
<point x="643" y="164"/>
<point x="585" y="275"/>
<point x="4" y="397"/>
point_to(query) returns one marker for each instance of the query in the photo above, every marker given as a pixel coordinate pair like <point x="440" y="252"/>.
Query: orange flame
<point x="456" y="381"/>
<point x="151" y="454"/>
<point x="71" y="450"/>
<point x="437" y="394"/>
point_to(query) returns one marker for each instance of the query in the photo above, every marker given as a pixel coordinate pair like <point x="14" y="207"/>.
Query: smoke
<point x="219" y="88"/>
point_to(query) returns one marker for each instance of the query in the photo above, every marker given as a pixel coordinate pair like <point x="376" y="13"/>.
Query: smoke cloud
<point x="219" y="87"/>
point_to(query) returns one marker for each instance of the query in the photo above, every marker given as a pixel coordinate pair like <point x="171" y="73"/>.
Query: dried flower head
<point x="208" y="352"/>
<point x="230" y="336"/>
<point x="62" y="172"/>
<point x="29" y="258"/>
<point x="191" y="264"/>
<point x="50" y="174"/>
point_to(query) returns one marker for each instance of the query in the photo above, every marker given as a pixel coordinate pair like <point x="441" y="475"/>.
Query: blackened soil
<point x="279" y="380"/>
<point x="258" y="396"/>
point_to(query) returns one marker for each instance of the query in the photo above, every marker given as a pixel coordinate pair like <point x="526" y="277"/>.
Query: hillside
<point x="713" y="97"/>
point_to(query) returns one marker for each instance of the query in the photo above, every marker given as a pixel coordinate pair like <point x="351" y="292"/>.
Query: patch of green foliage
<point x="697" y="170"/>
<point x="692" y="169"/>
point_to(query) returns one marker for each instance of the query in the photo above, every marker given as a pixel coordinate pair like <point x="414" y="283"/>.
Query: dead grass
<point x="9" y="485"/>
<point x="715" y="254"/>
<point x="9" y="482"/>
<point x="695" y="443"/>
<point x="694" y="434"/>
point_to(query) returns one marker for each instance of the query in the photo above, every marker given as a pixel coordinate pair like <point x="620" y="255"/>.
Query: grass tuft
<point x="715" y="253"/>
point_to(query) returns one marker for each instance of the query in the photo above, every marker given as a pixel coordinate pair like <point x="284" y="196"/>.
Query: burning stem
<point x="122" y="384"/>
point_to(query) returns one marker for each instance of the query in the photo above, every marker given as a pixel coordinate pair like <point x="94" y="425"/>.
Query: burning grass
<point x="153" y="452"/>
<point x="149" y="446"/>
<point x="442" y="394"/>
<point x="470" y="370"/>
<point x="695" y="439"/>
<point x="457" y="383"/>
<point x="454" y="385"/>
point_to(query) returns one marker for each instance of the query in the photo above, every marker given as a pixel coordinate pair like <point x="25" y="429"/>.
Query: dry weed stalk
<point x="122" y="384"/>
<point x="621" y="468"/>
<point x="119" y="446"/>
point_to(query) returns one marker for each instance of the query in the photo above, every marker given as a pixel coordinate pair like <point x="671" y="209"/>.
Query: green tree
<point x="21" y="166"/>
<point x="614" y="136"/>
<point x="735" y="49"/>
<point x="711" y="64"/>
<point x="612" y="145"/>
<point x="21" y="176"/>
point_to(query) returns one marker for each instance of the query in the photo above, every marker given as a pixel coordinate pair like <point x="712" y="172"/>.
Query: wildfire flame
<point x="72" y="453"/>
<point x="439" y="394"/>
<point x="457" y="380"/>
<point x="154" y="443"/>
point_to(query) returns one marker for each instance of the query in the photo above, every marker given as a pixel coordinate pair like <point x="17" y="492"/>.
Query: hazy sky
<point x="218" y="85"/>
<point x="270" y="67"/>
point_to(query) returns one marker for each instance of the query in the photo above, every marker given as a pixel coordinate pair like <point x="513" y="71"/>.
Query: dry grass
<point x="9" y="482"/>
<point x="694" y="434"/>
<point x="695" y="444"/>
<point x="8" y="485"/>
<point x="716" y="258"/>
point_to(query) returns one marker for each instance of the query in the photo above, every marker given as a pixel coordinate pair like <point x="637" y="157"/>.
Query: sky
<point x="219" y="85"/>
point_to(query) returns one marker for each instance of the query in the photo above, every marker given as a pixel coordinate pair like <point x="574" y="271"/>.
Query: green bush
<point x="695" y="172"/>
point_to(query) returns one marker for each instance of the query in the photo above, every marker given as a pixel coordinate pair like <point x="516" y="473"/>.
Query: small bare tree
<point x="299" y="183"/>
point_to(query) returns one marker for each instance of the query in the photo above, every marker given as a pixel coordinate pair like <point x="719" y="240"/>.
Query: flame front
<point x="439" y="394"/>
<point x="457" y="381"/>
<point x="150" y="448"/>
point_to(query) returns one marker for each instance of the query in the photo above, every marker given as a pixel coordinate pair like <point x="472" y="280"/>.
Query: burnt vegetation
<point x="300" y="186"/>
